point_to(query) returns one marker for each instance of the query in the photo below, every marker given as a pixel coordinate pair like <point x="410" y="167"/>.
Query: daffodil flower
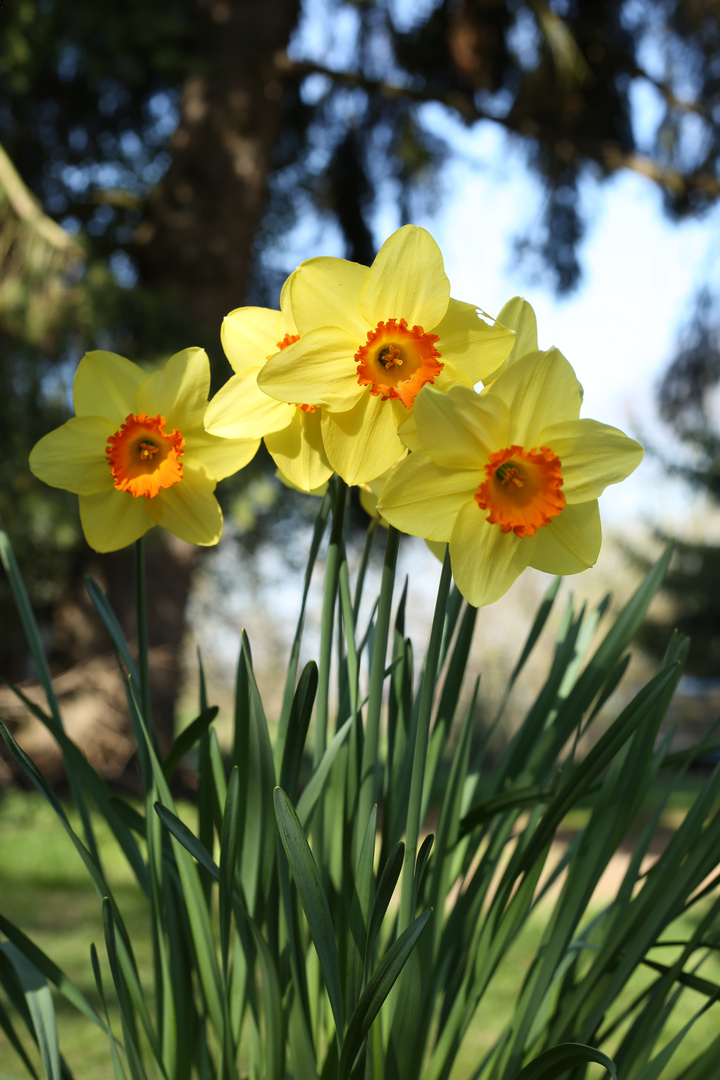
<point x="509" y="477"/>
<point x="136" y="452"/>
<point x="240" y="409"/>
<point x="370" y="339"/>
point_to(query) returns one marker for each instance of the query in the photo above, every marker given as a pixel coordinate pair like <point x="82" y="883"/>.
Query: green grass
<point x="46" y="892"/>
<point x="44" y="889"/>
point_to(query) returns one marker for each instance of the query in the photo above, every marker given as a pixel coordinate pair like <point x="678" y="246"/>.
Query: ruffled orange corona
<point x="522" y="490"/>
<point x="397" y="361"/>
<point x="143" y="457"/>
<point x="289" y="339"/>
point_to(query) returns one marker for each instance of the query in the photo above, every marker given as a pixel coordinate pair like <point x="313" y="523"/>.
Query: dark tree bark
<point x="196" y="237"/>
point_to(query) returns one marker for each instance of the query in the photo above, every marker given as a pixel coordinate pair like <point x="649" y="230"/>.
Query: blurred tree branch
<point x="606" y="152"/>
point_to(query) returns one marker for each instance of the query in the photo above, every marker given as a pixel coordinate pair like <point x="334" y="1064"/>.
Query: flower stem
<point x="422" y="736"/>
<point x="335" y="556"/>
<point x="142" y="636"/>
<point x="370" y="770"/>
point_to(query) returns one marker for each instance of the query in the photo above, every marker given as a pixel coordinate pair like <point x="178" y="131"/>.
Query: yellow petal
<point x="114" y="519"/>
<point x="369" y="502"/>
<point x="249" y="335"/>
<point x="592" y="455"/>
<point x="424" y="499"/>
<point x="319" y="369"/>
<point x="218" y="457"/>
<point x="178" y="391"/>
<point x="240" y="409"/>
<point x="571" y="542"/>
<point x="470" y="347"/>
<point x="318" y="491"/>
<point x="299" y="453"/>
<point x="287" y="322"/>
<point x="460" y="429"/>
<point x="518" y="315"/>
<point x="406" y="425"/>
<point x="73" y="456"/>
<point x="437" y="549"/>
<point x="540" y="389"/>
<point x="485" y="561"/>
<point x="106" y="385"/>
<point x="406" y="281"/>
<point x="189" y="509"/>
<point x="363" y="442"/>
<point x="326" y="292"/>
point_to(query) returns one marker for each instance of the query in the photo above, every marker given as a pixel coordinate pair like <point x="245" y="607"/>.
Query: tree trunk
<point x="196" y="238"/>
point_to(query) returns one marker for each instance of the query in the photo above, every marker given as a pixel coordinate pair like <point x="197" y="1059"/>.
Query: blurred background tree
<point x="688" y="404"/>
<point x="157" y="158"/>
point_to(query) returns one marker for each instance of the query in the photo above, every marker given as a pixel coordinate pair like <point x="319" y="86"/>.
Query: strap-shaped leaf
<point x="313" y="899"/>
<point x="40" y="1006"/>
<point x="379" y="986"/>
<point x="187" y="739"/>
<point x="50" y="970"/>
<point x="556" y="1062"/>
<point x="6" y="1026"/>
<point x="137" y="1072"/>
<point x="118" y="1071"/>
<point x="383" y="896"/>
<point x="360" y="914"/>
<point x="294" y="741"/>
<point x="113" y="628"/>
<point x="313" y="788"/>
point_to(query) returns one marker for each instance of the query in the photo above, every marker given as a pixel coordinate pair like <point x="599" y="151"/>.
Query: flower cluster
<point x="372" y="373"/>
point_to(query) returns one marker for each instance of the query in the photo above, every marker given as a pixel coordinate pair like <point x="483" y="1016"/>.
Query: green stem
<point x="370" y="771"/>
<point x="142" y="636"/>
<point x="422" y="736"/>
<point x="335" y="556"/>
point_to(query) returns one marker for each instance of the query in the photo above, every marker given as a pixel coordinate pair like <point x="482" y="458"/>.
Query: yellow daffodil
<point x="136" y="451"/>
<point x="240" y="409"/>
<point x="509" y="477"/>
<point x="370" y="339"/>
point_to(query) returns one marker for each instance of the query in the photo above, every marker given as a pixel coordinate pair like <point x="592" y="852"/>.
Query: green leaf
<point x="187" y="739"/>
<point x="421" y="865"/>
<point x="6" y="1025"/>
<point x="300" y="714"/>
<point x="555" y="1063"/>
<point x="132" y="1052"/>
<point x="113" y="628"/>
<point x="40" y="1006"/>
<point x="258" y="776"/>
<point x="187" y="838"/>
<point x="378" y="987"/>
<point x="29" y="625"/>
<point x="318" y="533"/>
<point x="360" y="914"/>
<point x="500" y="804"/>
<point x="313" y="899"/>
<point x="313" y="788"/>
<point x="50" y="970"/>
<point x="228" y="858"/>
<point x="383" y="896"/>
<point x="118" y="1071"/>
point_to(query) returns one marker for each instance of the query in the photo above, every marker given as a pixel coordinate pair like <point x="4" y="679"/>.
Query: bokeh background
<point x="163" y="164"/>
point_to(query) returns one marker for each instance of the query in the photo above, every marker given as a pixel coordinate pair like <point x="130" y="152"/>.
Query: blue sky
<point x="619" y="328"/>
